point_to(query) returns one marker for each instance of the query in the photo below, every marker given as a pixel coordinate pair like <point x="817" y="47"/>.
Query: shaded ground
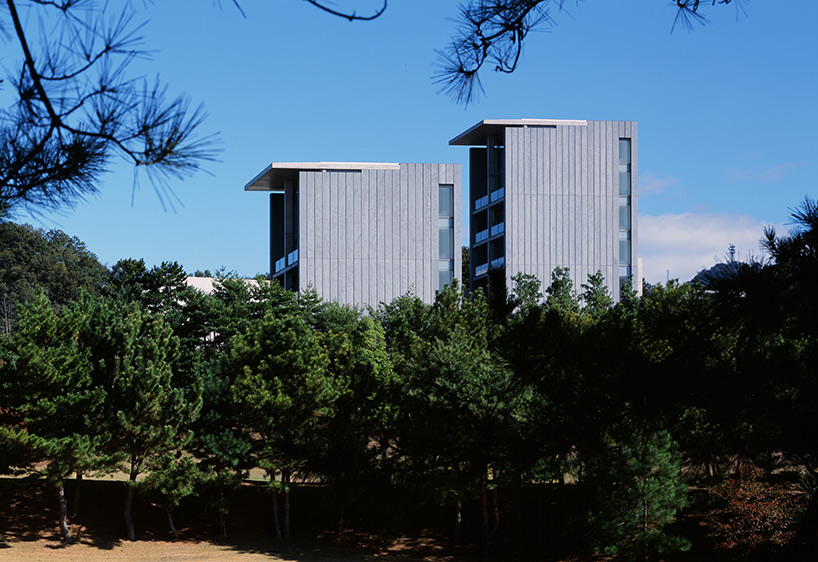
<point x="28" y="531"/>
<point x="541" y="531"/>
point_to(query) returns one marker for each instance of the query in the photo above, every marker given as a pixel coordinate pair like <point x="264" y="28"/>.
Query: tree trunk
<point x="75" y="502"/>
<point x="458" y="518"/>
<point x="495" y="506"/>
<point x="484" y="506"/>
<point x="126" y="512"/>
<point x="517" y="512"/>
<point x="222" y="519"/>
<point x="285" y="479"/>
<point x="276" y="523"/>
<point x="170" y="522"/>
<point x="66" y="532"/>
<point x="339" y="529"/>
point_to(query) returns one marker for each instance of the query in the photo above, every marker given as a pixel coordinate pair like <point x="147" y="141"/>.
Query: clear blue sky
<point x="728" y="116"/>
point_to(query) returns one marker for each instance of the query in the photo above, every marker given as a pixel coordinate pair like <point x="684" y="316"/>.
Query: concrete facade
<point x="363" y="233"/>
<point x="553" y="193"/>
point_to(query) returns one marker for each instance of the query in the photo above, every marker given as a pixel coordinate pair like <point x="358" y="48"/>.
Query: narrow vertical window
<point x="625" y="211"/>
<point x="445" y="234"/>
<point x="624" y="167"/>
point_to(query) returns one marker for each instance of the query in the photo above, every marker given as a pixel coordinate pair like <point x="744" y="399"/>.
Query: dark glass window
<point x="445" y="234"/>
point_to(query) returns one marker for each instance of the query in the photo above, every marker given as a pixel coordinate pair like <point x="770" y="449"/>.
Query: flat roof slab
<point x="476" y="135"/>
<point x="273" y="176"/>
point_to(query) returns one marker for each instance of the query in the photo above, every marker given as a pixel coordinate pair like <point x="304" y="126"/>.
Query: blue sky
<point x="728" y="116"/>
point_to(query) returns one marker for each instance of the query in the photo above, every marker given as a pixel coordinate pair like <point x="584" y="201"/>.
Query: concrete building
<point x="363" y="233"/>
<point x="550" y="193"/>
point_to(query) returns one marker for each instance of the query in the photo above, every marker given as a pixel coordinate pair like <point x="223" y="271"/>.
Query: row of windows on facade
<point x="445" y="234"/>
<point x="625" y="227"/>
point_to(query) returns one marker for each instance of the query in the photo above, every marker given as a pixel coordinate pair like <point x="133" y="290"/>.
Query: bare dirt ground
<point x="90" y="550"/>
<point x="28" y="532"/>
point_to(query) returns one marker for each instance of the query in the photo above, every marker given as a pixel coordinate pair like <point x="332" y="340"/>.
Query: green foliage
<point x="172" y="478"/>
<point x="595" y="295"/>
<point x="525" y="291"/>
<point x="147" y="412"/>
<point x="51" y="398"/>
<point x="638" y="490"/>
<point x="349" y="449"/>
<point x="560" y="292"/>
<point x="470" y="397"/>
<point x="281" y="384"/>
<point x="33" y="259"/>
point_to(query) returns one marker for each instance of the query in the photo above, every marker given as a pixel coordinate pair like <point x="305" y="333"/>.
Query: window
<point x="624" y="167"/>
<point x="445" y="234"/>
<point x="625" y="226"/>
<point x="624" y="213"/>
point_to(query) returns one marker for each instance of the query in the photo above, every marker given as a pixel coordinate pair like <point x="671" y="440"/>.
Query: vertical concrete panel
<point x="343" y="240"/>
<point x="527" y="188"/>
<point x="340" y="264"/>
<point x="550" y="154"/>
<point x="603" y="188"/>
<point x="429" y="222"/>
<point x="364" y="250"/>
<point x="613" y="190"/>
<point x="351" y="253"/>
<point x="403" y="234"/>
<point x="322" y="281"/>
<point x="559" y="199"/>
<point x="408" y="175"/>
<point x="330" y="281"/>
<point x="372" y="242"/>
<point x="635" y="204"/>
<point x="572" y="197"/>
<point x="375" y="227"/>
<point x="588" y="192"/>
<point x="434" y="245"/>
<point x="419" y="240"/>
<point x="355" y="214"/>
<point x="580" y="196"/>
<point x="513" y="170"/>
<point x="397" y="232"/>
<point x="389" y="213"/>
<point x="381" y="202"/>
<point x="336" y="186"/>
<point x="531" y="188"/>
<point x="409" y="212"/>
<point x="322" y="230"/>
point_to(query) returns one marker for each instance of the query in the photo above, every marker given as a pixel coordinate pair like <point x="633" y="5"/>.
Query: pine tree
<point x="52" y="398"/>
<point x="638" y="490"/>
<point x="147" y="412"/>
<point x="283" y="390"/>
<point x="595" y="295"/>
<point x="560" y="292"/>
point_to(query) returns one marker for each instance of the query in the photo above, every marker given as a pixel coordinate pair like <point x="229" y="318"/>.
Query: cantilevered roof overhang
<point x="273" y="176"/>
<point x="476" y="135"/>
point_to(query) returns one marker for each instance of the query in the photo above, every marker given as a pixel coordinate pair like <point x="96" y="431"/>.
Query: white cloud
<point x="679" y="246"/>
<point x="650" y="183"/>
<point x="769" y="174"/>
